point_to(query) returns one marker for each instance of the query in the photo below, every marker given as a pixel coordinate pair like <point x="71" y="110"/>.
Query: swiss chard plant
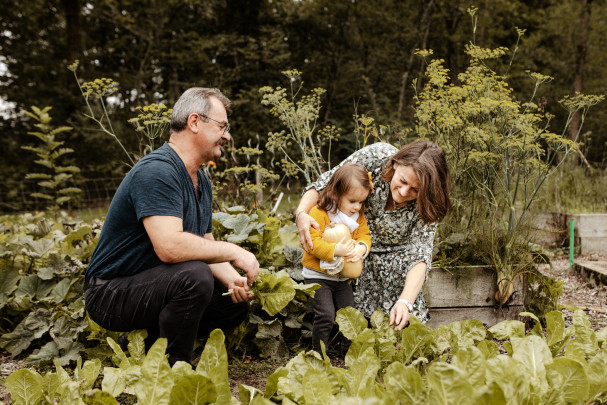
<point x="456" y="363"/>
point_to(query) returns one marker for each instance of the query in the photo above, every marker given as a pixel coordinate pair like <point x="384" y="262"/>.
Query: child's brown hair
<point x="346" y="176"/>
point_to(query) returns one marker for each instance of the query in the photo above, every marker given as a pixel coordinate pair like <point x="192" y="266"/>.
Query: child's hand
<point x="344" y="247"/>
<point x="357" y="253"/>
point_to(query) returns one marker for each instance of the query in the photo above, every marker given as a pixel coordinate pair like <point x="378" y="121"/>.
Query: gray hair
<point x="194" y="100"/>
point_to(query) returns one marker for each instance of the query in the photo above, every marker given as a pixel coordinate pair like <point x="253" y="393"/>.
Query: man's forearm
<point x="185" y="246"/>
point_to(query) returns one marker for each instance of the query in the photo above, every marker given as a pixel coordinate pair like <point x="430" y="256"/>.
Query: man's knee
<point x="197" y="277"/>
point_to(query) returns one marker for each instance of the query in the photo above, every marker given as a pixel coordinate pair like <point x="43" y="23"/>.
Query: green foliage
<point x="455" y="363"/>
<point x="301" y="145"/>
<point x="57" y="178"/>
<point x="152" y="122"/>
<point x="240" y="177"/>
<point x="499" y="150"/>
<point x="574" y="190"/>
<point x="275" y="290"/>
<point x="261" y="233"/>
<point x="41" y="303"/>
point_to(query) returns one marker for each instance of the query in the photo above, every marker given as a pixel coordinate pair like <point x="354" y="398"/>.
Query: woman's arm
<point x="305" y="221"/>
<point x="399" y="315"/>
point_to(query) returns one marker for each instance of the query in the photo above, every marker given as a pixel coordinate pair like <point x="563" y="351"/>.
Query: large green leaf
<point x="361" y="375"/>
<point x="533" y="354"/>
<point x="114" y="380"/>
<point x="488" y="348"/>
<point x="414" y="340"/>
<point x="86" y="374"/>
<point x="351" y="322"/>
<point x="405" y="383"/>
<point x="467" y="333"/>
<point x="32" y="327"/>
<point x="472" y="362"/>
<point x="274" y="291"/>
<point x="272" y="382"/>
<point x="318" y="387"/>
<point x="9" y="277"/>
<point x="597" y="377"/>
<point x="154" y="386"/>
<point x="555" y="331"/>
<point x="584" y="334"/>
<point x="505" y="371"/>
<point x="573" y="384"/>
<point x="214" y="365"/>
<point x="97" y="397"/>
<point x="194" y="389"/>
<point x="448" y="384"/>
<point x="25" y="387"/>
<point x="360" y="344"/>
<point x="508" y="329"/>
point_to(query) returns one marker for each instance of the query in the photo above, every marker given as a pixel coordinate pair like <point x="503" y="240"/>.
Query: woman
<point x="410" y="196"/>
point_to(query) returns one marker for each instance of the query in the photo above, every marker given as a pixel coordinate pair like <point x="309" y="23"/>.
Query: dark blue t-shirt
<point x="158" y="184"/>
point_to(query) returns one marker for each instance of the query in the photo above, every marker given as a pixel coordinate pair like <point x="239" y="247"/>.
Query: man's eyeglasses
<point x="225" y="126"/>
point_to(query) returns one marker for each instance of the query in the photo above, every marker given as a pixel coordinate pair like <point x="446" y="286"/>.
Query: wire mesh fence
<point x="15" y="197"/>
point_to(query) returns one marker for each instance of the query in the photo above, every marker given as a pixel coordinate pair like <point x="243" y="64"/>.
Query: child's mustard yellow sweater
<point x="323" y="250"/>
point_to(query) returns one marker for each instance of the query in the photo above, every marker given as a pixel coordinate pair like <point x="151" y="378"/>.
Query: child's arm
<point x="323" y="250"/>
<point x="362" y="236"/>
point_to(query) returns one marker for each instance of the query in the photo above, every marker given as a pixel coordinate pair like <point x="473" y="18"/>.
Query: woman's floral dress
<point x="399" y="240"/>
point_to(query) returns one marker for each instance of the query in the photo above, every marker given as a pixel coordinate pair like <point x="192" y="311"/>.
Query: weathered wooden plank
<point x="466" y="286"/>
<point x="487" y="315"/>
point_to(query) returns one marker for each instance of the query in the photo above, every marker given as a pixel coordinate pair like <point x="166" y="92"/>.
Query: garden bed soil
<point x="253" y="371"/>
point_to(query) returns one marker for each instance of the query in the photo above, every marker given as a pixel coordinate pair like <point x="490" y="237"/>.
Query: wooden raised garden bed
<point x="468" y="293"/>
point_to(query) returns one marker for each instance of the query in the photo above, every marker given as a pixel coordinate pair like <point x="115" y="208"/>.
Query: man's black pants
<point x="179" y="302"/>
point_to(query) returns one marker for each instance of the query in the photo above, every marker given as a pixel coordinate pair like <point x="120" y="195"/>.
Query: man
<point x="157" y="266"/>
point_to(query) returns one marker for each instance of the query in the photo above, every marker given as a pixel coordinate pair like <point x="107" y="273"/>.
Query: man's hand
<point x="240" y="290"/>
<point x="247" y="262"/>
<point x="304" y="222"/>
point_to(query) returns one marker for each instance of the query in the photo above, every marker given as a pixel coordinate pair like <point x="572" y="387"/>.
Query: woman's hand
<point x="304" y="222"/>
<point x="399" y="315"/>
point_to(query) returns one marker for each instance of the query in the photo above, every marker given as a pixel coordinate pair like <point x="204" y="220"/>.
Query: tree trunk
<point x="425" y="20"/>
<point x="580" y="57"/>
<point x="72" y="23"/>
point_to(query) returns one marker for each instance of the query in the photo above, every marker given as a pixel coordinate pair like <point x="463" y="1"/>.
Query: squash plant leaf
<point x="32" y="327"/>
